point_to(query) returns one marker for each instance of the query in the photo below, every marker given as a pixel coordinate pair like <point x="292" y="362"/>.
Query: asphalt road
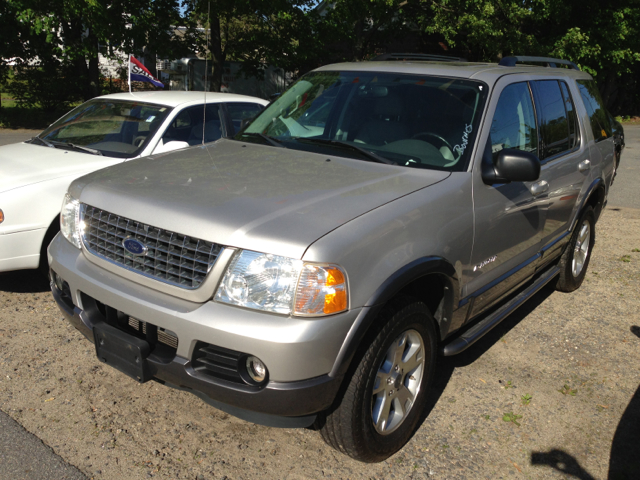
<point x="624" y="192"/>
<point x="25" y="456"/>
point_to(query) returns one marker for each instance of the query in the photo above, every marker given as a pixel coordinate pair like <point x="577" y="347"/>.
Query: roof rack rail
<point x="423" y="57"/>
<point x="550" y="62"/>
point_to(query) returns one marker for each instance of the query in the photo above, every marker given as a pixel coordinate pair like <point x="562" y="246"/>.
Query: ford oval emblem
<point x="134" y="247"/>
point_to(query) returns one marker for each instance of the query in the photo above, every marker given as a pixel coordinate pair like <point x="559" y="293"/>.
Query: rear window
<point x="598" y="118"/>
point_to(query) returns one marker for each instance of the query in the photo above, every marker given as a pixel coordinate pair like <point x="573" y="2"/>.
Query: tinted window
<point x="242" y="111"/>
<point x="514" y="123"/>
<point x="574" y="131"/>
<point x="597" y="114"/>
<point x="188" y="125"/>
<point x="554" y="125"/>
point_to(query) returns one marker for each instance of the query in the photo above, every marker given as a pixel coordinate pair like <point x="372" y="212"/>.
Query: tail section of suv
<point x="310" y="270"/>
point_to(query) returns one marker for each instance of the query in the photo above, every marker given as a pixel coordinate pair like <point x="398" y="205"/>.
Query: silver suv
<point x="310" y="270"/>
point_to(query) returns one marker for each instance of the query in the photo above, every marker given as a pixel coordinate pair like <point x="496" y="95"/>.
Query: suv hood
<point x="25" y="163"/>
<point x="255" y="197"/>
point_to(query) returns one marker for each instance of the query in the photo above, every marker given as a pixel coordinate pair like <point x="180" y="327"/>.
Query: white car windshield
<point x="409" y="120"/>
<point x="113" y="128"/>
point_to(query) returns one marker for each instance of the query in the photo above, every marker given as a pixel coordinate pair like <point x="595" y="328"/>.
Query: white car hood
<point x="24" y="164"/>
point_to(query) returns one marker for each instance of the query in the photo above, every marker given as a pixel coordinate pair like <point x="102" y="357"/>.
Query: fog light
<point x="256" y="369"/>
<point x="1" y="216"/>
<point x="57" y="280"/>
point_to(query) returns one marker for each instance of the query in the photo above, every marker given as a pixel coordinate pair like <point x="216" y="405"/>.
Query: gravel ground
<point x="574" y="356"/>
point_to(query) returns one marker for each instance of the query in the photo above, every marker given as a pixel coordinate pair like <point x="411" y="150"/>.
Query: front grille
<point x="171" y="257"/>
<point x="164" y="336"/>
<point x="218" y="362"/>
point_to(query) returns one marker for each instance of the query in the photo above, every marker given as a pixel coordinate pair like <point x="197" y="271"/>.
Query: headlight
<point x="283" y="285"/>
<point x="70" y="224"/>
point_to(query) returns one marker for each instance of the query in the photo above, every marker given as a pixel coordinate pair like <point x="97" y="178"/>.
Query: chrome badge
<point x="484" y="263"/>
<point x="134" y="247"/>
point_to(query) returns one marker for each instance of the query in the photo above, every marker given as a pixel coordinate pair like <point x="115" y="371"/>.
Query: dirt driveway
<point x="550" y="393"/>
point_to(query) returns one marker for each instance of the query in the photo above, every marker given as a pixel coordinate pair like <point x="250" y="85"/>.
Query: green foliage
<point x="566" y="390"/>
<point x="526" y="399"/>
<point x="33" y="87"/>
<point x="512" y="417"/>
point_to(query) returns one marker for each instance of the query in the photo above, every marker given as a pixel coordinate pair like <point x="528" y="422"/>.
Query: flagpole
<point x="129" y="62"/>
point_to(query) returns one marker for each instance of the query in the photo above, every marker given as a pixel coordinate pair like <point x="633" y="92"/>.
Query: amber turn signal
<point x="322" y="290"/>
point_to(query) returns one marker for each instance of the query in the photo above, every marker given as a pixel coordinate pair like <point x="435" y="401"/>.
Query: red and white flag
<point x="139" y="73"/>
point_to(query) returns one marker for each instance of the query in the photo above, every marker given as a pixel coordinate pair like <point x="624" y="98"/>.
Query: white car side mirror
<point x="169" y="146"/>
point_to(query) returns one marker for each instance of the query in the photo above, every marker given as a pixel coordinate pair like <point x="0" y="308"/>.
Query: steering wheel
<point x="430" y="134"/>
<point x="139" y="140"/>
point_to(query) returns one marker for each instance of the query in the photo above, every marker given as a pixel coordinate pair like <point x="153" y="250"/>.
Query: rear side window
<point x="514" y="122"/>
<point x="242" y="111"/>
<point x="600" y="123"/>
<point x="557" y="117"/>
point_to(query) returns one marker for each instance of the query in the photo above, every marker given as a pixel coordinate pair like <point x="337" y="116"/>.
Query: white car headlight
<point x="283" y="285"/>
<point x="70" y="224"/>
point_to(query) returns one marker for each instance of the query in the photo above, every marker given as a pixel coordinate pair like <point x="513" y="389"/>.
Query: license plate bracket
<point x="122" y="351"/>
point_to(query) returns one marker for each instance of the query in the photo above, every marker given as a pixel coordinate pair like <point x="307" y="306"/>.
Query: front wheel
<point x="386" y="394"/>
<point x="575" y="259"/>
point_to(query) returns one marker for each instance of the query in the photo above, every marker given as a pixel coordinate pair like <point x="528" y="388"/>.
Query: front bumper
<point x="299" y="353"/>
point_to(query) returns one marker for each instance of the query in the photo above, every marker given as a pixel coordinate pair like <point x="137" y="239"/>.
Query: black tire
<point x="349" y="425"/>
<point x="575" y="259"/>
<point x="43" y="267"/>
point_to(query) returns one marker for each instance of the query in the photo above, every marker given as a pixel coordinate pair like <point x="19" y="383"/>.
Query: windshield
<point x="414" y="121"/>
<point x="114" y="128"/>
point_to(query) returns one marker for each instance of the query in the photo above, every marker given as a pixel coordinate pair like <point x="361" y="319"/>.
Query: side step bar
<point x="476" y="332"/>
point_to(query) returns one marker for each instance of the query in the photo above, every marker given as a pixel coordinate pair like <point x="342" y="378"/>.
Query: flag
<point x="139" y="73"/>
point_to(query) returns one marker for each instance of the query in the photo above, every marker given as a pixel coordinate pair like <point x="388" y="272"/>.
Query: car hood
<point x="25" y="164"/>
<point x="255" y="197"/>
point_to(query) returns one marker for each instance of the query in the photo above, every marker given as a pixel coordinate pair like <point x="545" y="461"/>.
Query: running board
<point x="476" y="332"/>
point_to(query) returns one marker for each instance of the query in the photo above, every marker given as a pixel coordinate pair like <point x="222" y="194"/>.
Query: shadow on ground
<point x="624" y="462"/>
<point x="23" y="281"/>
<point x="562" y="462"/>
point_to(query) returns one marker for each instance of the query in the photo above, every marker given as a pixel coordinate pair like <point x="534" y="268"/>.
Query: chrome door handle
<point x="539" y="188"/>
<point x="584" y="165"/>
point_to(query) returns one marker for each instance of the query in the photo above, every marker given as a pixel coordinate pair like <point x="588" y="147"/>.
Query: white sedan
<point x="34" y="175"/>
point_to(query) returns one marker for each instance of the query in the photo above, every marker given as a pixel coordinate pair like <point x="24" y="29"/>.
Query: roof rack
<point x="550" y="62"/>
<point x="423" y="57"/>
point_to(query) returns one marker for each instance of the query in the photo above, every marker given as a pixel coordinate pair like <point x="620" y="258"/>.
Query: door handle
<point x="584" y="165"/>
<point x="539" y="188"/>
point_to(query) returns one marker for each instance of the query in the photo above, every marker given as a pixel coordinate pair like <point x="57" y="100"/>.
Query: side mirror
<point x="170" y="146"/>
<point x="511" y="165"/>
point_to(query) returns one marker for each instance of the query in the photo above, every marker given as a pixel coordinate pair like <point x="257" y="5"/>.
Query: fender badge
<point x="485" y="262"/>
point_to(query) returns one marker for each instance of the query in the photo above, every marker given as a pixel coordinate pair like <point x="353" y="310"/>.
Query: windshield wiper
<point x="92" y="151"/>
<point x="270" y="140"/>
<point x="46" y="143"/>
<point x="370" y="156"/>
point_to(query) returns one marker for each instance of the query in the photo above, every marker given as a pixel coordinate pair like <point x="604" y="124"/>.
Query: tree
<point x="66" y="36"/>
<point x="255" y="32"/>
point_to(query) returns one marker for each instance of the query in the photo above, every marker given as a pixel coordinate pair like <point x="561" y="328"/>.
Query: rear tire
<point x="575" y="259"/>
<point x="385" y="396"/>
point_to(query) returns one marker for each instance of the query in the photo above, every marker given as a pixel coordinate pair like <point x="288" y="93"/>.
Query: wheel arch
<point x="52" y="230"/>
<point x="431" y="280"/>
<point x="594" y="198"/>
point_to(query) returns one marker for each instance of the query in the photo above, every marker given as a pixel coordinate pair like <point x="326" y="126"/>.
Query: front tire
<point x="384" y="399"/>
<point x="575" y="259"/>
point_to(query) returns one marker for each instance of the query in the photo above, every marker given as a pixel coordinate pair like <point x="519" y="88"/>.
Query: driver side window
<point x="514" y="122"/>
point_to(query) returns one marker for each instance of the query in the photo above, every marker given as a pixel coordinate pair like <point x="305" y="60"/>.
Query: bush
<point x="53" y="87"/>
